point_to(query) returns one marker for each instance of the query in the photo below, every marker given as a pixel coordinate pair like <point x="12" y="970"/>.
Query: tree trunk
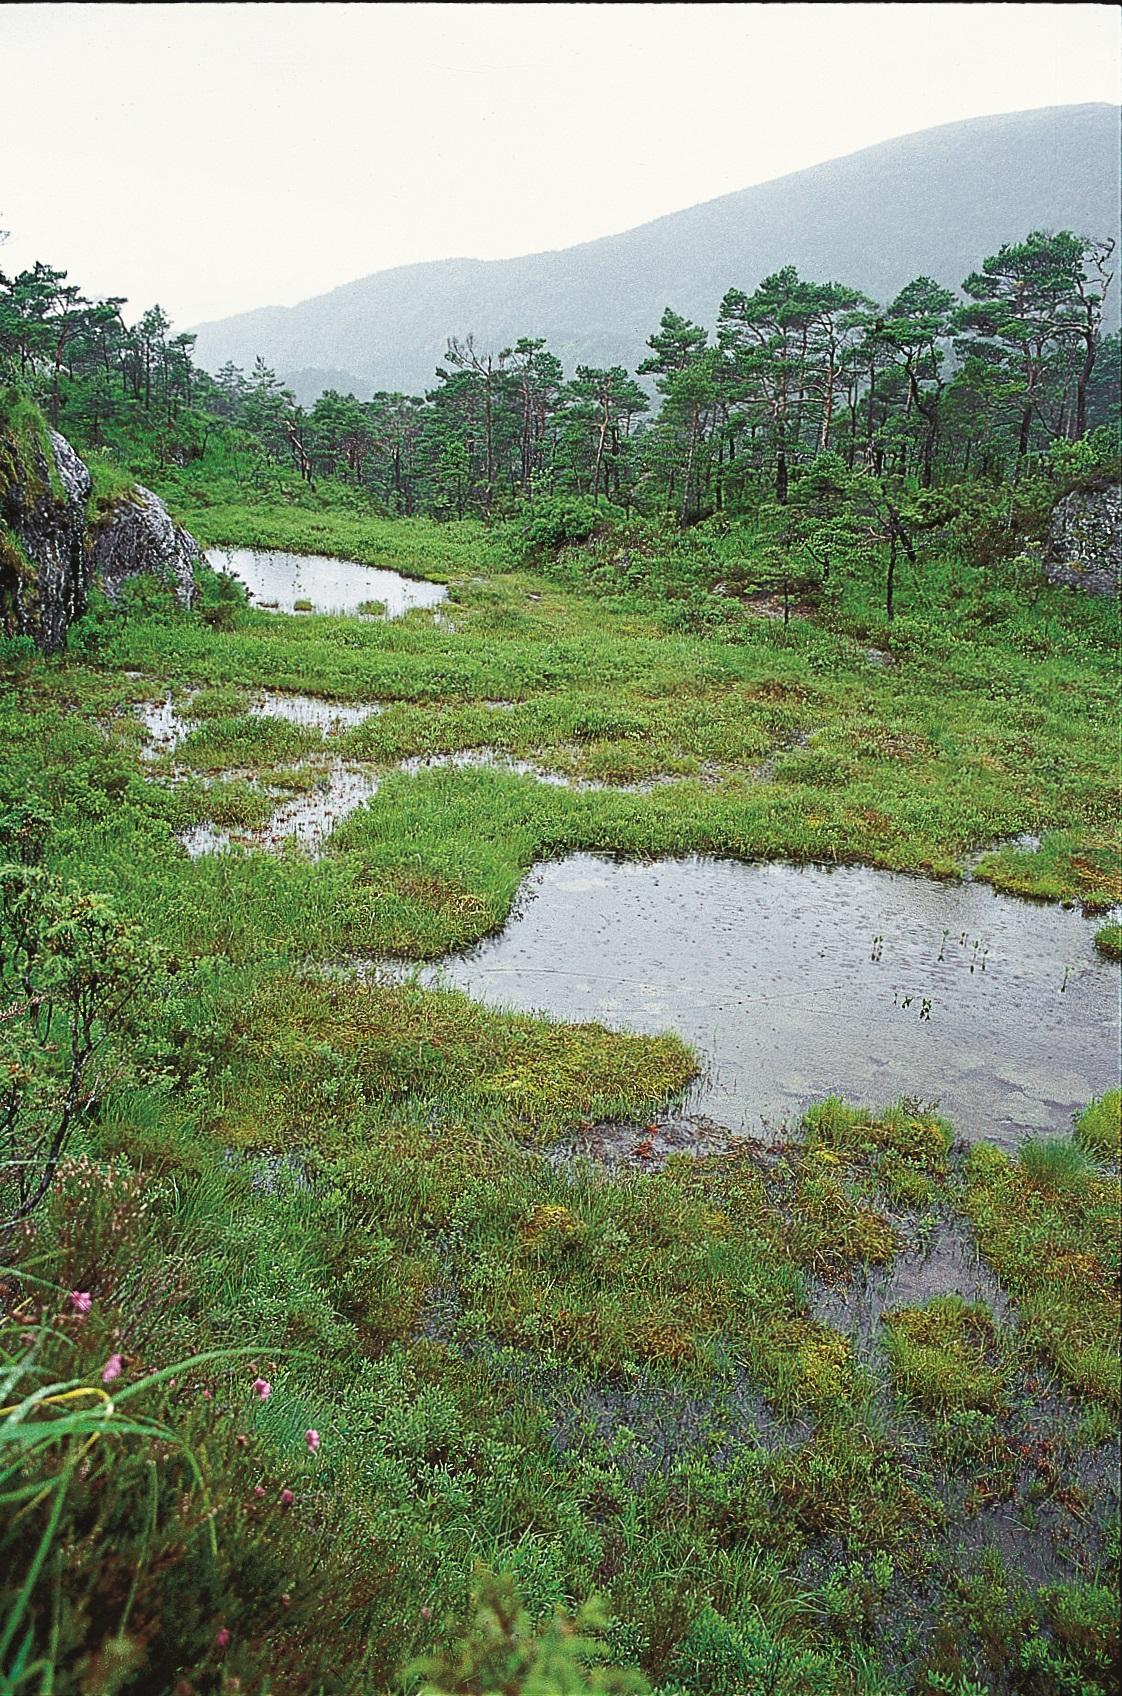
<point x="688" y="483"/>
<point x="827" y="409"/>
<point x="1082" y="382"/>
<point x="1023" y="434"/>
<point x="928" y="468"/>
<point x="600" y="455"/>
<point x="490" y="424"/>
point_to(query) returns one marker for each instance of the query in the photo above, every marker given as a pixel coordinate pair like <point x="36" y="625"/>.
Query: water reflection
<point x="281" y="581"/>
<point x="794" y="982"/>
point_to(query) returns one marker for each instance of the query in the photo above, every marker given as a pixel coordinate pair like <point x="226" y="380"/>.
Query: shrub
<point x="562" y="521"/>
<point x="498" y="1650"/>
<point x="220" y="596"/>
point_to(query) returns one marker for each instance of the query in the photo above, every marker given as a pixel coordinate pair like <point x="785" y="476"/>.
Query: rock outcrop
<point x="138" y="536"/>
<point x="45" y="566"/>
<point x="51" y="553"/>
<point x="1083" y="546"/>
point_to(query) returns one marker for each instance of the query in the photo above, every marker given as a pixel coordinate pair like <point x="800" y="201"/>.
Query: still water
<point x="796" y="982"/>
<point x="279" y="580"/>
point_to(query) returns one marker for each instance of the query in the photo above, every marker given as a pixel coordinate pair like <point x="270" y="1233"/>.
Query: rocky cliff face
<point x="140" y="536"/>
<point x="50" y="554"/>
<point x="44" y="563"/>
<point x="1083" y="547"/>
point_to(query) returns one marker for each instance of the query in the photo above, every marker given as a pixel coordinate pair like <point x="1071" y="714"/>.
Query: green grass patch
<point x="1048" y="1222"/>
<point x="944" y="1357"/>
<point x="1108" y="941"/>
<point x="1098" y="1128"/>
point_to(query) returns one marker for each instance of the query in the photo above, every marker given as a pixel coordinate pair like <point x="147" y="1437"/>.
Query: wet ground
<point x="312" y="711"/>
<point x="946" y="1264"/>
<point x="306" y="819"/>
<point x="790" y="982"/>
<point x="279" y="580"/>
<point x="166" y="724"/>
<point x="311" y="818"/>
<point x="165" y="727"/>
<point x="615" y="1143"/>
<point x="793" y="982"/>
<point x="493" y="759"/>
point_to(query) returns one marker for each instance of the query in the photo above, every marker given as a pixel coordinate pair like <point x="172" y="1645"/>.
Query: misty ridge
<point x="921" y="205"/>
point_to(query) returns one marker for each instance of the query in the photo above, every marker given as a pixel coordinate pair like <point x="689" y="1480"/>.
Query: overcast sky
<point x="219" y="157"/>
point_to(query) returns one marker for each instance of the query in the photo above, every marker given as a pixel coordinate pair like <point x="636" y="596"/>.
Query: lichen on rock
<point x="1083" y="547"/>
<point x="139" y="536"/>
<point x="50" y="551"/>
<point x="44" y="564"/>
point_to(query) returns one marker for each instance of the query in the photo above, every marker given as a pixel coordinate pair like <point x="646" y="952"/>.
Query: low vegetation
<point x="327" y="1365"/>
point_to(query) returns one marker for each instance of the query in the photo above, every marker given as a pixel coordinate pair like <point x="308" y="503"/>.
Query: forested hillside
<point x="936" y="387"/>
<point x="923" y="205"/>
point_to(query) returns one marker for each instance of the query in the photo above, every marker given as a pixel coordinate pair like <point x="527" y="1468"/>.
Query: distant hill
<point x="934" y="203"/>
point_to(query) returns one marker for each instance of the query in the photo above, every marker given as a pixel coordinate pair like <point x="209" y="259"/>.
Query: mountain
<point x="934" y="203"/>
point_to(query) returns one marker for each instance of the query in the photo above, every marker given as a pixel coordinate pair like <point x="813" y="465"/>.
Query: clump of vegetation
<point x="111" y="485"/>
<point x="225" y="741"/>
<point x="945" y="1356"/>
<point x="1048" y="1223"/>
<point x="1098" y="1129"/>
<point x="500" y="1650"/>
<point x="901" y="1151"/>
<point x="1108" y="941"/>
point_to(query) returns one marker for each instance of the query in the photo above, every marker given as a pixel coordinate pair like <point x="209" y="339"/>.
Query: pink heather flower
<point x="262" y="1388"/>
<point x="286" y="1498"/>
<point x="259" y="1491"/>
<point x="221" y="1638"/>
<point x="312" y="1440"/>
<point x="207" y="1396"/>
<point x="111" y="1369"/>
<point x="80" y="1301"/>
<point x="426" y="1613"/>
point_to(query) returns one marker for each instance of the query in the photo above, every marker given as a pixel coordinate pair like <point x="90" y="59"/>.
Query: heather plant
<point x="71" y="972"/>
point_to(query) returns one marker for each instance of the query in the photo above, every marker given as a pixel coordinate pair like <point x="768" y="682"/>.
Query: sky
<point x="220" y="157"/>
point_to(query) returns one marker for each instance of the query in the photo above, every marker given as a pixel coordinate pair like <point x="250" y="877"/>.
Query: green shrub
<point x="561" y="521"/>
<point x="499" y="1650"/>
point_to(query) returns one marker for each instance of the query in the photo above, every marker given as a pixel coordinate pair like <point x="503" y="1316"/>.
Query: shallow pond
<point x="312" y="711"/>
<point x="164" y="727"/>
<point x="279" y="580"/>
<point x="794" y="982"/>
<point x="167" y="725"/>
